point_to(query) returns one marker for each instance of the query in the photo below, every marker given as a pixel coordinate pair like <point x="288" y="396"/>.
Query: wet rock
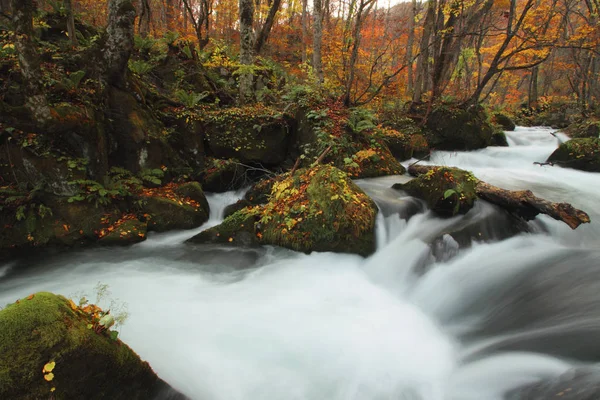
<point x="317" y="209"/>
<point x="582" y="154"/>
<point x="167" y="214"/>
<point x="454" y="128"/>
<point x="44" y="328"/>
<point x="405" y="146"/>
<point x="499" y="139"/>
<point x="129" y="232"/>
<point x="504" y="121"/>
<point x="223" y="175"/>
<point x="447" y="191"/>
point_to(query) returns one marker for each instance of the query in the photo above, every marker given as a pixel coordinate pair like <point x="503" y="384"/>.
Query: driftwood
<point x="522" y="203"/>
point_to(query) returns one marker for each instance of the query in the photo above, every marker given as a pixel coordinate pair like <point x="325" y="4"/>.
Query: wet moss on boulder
<point x="237" y="229"/>
<point x="582" y="154"/>
<point x="44" y="328"/>
<point x="316" y="209"/>
<point x="447" y="191"/>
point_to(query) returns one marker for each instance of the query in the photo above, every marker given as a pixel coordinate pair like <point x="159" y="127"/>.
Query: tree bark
<point x="29" y="60"/>
<point x="71" y="22"/>
<point x="409" y="48"/>
<point x="246" y="48"/>
<point x="304" y="30"/>
<point x="145" y="18"/>
<point x="119" y="42"/>
<point x="421" y="82"/>
<point x="522" y="203"/>
<point x="318" y="39"/>
<point x="263" y="36"/>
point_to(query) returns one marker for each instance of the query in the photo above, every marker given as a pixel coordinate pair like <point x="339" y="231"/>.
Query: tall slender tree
<point x="246" y="10"/>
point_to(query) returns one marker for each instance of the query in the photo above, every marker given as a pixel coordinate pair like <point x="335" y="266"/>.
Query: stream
<point x="427" y="317"/>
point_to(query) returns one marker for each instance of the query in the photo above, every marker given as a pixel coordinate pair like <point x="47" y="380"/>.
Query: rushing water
<point x="430" y="316"/>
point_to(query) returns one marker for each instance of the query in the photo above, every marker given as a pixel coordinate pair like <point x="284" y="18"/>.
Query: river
<point x="427" y="317"/>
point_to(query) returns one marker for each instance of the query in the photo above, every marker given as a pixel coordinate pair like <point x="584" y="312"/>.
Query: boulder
<point x="447" y="191"/>
<point x="582" y="154"/>
<point x="455" y="128"/>
<point x="48" y="351"/>
<point x="404" y="146"/>
<point x="128" y="232"/>
<point x="166" y="214"/>
<point x="499" y="139"/>
<point x="221" y="176"/>
<point x="581" y="383"/>
<point x="504" y="121"/>
<point x="252" y="134"/>
<point x="316" y="209"/>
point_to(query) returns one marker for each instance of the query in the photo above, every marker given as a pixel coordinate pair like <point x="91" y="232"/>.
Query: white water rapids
<point x="424" y="318"/>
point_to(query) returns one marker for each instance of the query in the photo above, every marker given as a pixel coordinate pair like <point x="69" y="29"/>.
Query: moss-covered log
<point x="522" y="203"/>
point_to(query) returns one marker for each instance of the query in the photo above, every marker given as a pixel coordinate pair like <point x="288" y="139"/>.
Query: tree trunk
<point x="29" y="60"/>
<point x="246" y="48"/>
<point x="421" y="82"/>
<point x="409" y="48"/>
<point x="318" y="39"/>
<point x="70" y="22"/>
<point x="522" y="203"/>
<point x="533" y="88"/>
<point x="304" y="30"/>
<point x="170" y="15"/>
<point x="263" y="36"/>
<point x="145" y="18"/>
<point x="119" y="42"/>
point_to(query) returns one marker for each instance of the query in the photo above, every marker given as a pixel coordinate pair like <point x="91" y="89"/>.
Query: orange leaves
<point x="168" y="192"/>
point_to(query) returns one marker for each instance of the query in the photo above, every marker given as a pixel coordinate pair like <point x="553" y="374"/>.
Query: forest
<point x="237" y="145"/>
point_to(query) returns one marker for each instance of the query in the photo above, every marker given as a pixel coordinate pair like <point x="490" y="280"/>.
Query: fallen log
<point x="522" y="203"/>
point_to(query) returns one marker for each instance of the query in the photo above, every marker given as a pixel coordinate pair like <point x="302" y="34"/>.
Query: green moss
<point x="129" y="232"/>
<point x="238" y="229"/>
<point x="44" y="328"/>
<point x="447" y="191"/>
<point x="319" y="209"/>
<point x="194" y="191"/>
<point x="582" y="154"/>
<point x="223" y="175"/>
<point x="166" y="214"/>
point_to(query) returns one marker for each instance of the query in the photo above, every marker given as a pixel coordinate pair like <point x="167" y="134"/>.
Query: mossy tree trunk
<point x="29" y="60"/>
<point x="246" y="48"/>
<point x="119" y="42"/>
<point x="145" y="18"/>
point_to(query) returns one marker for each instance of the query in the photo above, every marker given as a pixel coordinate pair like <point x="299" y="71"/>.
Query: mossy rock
<point x="499" y="139"/>
<point x="316" y="209"/>
<point x="404" y="146"/>
<point x="166" y="214"/>
<point x="129" y="232"/>
<point x="252" y="134"/>
<point x="373" y="162"/>
<point x="223" y="175"/>
<point x="454" y="128"/>
<point x="447" y="191"/>
<point x="319" y="209"/>
<point x="504" y="121"/>
<point x="194" y="191"/>
<point x="44" y="328"/>
<point x="587" y="129"/>
<point x="238" y="229"/>
<point x="581" y="154"/>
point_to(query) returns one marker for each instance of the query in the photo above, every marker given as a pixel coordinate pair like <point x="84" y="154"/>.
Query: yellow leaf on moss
<point x="49" y="376"/>
<point x="49" y="367"/>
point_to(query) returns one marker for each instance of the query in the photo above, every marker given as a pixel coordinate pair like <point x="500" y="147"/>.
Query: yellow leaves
<point x="335" y="197"/>
<point x="49" y="367"/>
<point x="230" y="239"/>
<point x="47" y="371"/>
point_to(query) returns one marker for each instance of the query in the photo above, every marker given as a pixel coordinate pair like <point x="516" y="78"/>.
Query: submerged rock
<point x="447" y="191"/>
<point x="582" y="154"/>
<point x="576" y="384"/>
<point x="48" y="351"/>
<point x="316" y="209"/>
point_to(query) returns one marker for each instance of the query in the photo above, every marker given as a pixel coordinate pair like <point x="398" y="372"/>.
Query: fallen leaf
<point x="49" y="376"/>
<point x="49" y="367"/>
